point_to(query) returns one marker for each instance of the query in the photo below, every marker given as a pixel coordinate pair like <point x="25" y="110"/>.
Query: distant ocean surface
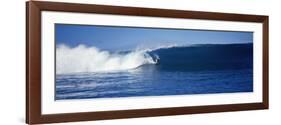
<point x="87" y="72"/>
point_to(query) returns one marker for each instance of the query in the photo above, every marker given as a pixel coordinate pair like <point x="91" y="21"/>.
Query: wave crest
<point x="91" y="59"/>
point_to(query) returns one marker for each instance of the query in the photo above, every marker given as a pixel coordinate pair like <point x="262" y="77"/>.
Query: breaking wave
<point x="92" y="59"/>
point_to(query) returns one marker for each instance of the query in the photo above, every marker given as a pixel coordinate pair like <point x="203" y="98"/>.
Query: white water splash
<point x="91" y="59"/>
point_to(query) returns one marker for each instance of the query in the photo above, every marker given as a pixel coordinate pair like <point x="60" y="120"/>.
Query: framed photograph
<point x="95" y="62"/>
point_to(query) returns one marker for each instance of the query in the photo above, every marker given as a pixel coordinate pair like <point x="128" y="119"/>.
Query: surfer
<point x="157" y="60"/>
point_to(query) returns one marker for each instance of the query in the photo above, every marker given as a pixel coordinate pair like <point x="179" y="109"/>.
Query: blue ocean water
<point x="179" y="70"/>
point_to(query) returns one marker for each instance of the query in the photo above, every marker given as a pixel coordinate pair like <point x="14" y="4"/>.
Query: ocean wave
<point x="92" y="59"/>
<point x="169" y="57"/>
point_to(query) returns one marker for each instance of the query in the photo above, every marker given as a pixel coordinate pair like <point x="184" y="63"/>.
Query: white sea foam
<point x="91" y="59"/>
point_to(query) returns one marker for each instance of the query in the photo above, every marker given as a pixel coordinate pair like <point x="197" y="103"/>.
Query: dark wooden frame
<point x="33" y="61"/>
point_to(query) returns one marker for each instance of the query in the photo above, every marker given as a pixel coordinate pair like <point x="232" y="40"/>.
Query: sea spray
<point x="92" y="59"/>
